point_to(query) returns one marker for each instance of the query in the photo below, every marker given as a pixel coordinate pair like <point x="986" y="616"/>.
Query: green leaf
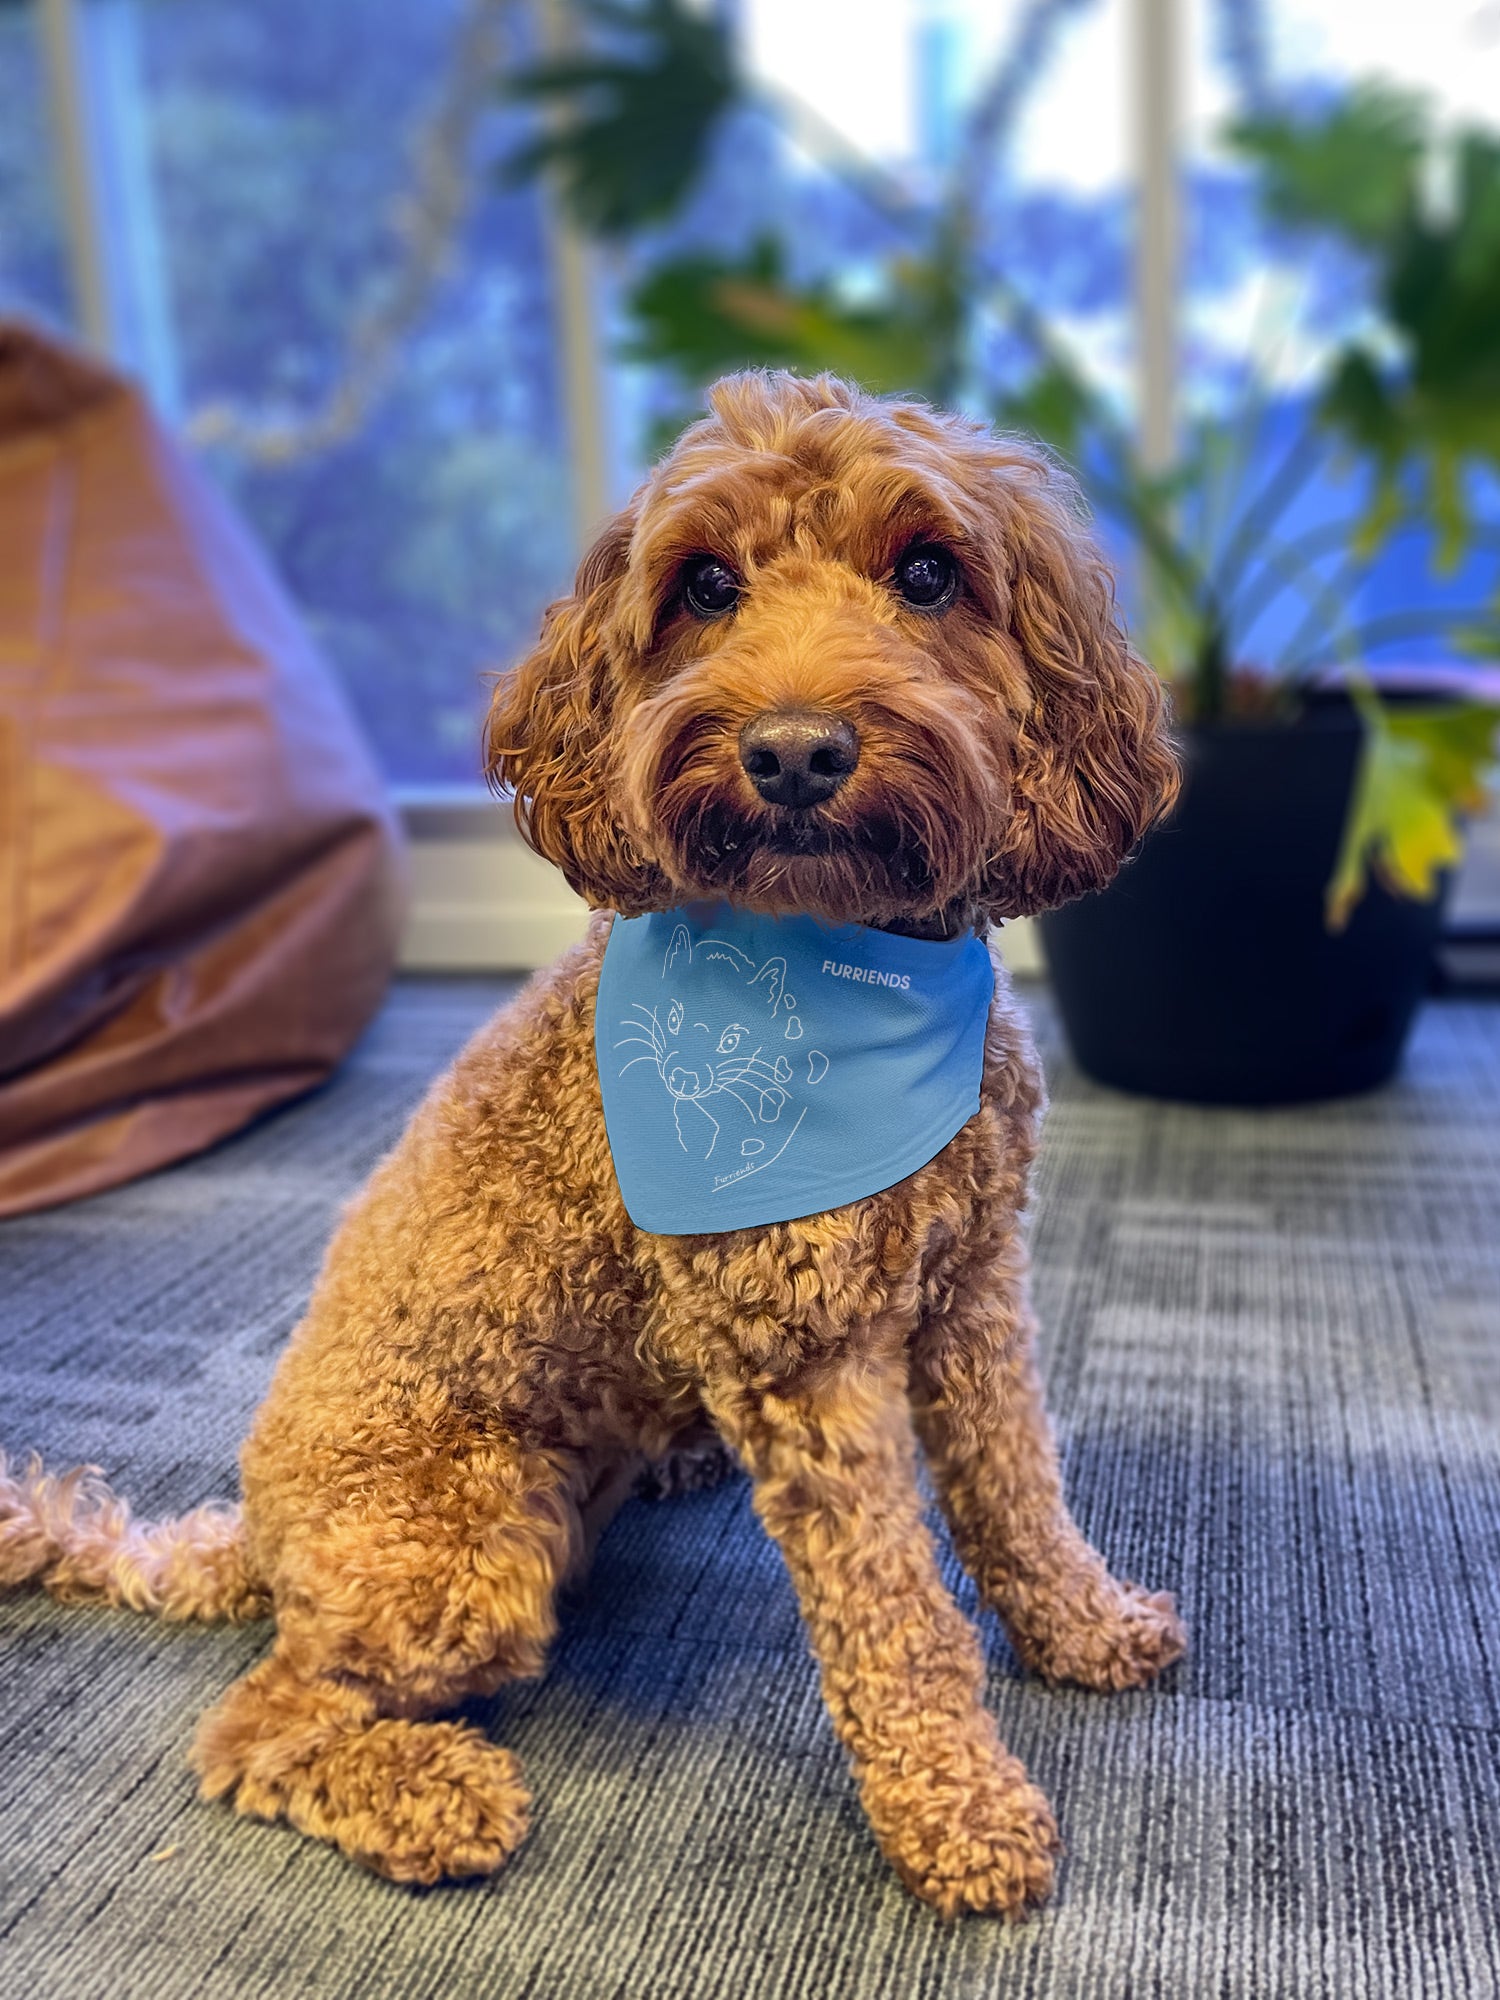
<point x="1055" y="405"/>
<point x="634" y="113"/>
<point x="1428" y="416"/>
<point x="702" y="315"/>
<point x="1355" y="168"/>
<point x="1420" y="770"/>
<point x="1450" y="512"/>
<point x="1477" y="236"/>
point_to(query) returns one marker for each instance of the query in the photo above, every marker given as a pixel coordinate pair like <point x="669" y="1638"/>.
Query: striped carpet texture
<point x="1273" y="1349"/>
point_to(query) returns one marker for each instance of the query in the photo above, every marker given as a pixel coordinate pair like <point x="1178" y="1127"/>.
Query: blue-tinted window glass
<point x="33" y="272"/>
<point x="423" y="545"/>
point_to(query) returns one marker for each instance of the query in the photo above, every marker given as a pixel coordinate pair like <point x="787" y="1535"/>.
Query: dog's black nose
<point x="797" y="757"/>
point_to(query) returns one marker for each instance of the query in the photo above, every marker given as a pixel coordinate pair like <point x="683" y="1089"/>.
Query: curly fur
<point x="1012" y="752"/>
<point x="493" y="1351"/>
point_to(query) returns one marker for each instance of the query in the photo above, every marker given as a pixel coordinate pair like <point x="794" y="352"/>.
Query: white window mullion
<point x="90" y="50"/>
<point x="1156" y="118"/>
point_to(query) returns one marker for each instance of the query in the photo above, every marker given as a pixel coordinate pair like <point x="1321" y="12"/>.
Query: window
<point x="33" y="273"/>
<point x="361" y="323"/>
<point x="372" y="376"/>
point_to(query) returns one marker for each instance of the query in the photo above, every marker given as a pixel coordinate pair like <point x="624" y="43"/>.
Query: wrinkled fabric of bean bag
<point x="199" y="872"/>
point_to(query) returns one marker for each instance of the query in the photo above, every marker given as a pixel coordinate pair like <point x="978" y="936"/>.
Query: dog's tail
<point x="70" y="1534"/>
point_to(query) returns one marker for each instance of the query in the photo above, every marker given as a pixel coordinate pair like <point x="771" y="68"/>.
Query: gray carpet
<point x="1273" y="1345"/>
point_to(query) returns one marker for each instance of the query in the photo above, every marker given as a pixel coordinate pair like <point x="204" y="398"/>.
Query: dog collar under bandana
<point x="755" y="1069"/>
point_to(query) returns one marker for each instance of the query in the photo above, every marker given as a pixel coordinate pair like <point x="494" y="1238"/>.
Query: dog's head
<point x="839" y="656"/>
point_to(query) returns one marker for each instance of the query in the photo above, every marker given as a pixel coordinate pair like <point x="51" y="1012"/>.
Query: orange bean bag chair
<point x="199" y="873"/>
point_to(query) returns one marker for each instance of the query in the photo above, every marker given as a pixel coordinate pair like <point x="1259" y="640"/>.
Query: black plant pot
<point x="1206" y="972"/>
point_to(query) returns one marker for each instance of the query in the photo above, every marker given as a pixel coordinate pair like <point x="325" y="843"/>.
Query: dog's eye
<point x="710" y="587"/>
<point x="927" y="577"/>
<point x="730" y="1040"/>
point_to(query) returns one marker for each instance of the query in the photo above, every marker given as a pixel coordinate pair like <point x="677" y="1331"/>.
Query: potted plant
<point x="1272" y="943"/>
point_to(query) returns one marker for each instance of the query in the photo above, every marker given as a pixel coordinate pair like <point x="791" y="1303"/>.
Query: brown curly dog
<point x="493" y="1349"/>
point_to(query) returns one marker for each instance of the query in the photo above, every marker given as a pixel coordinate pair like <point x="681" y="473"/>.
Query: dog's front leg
<point x="981" y="1417"/>
<point x="833" y="1461"/>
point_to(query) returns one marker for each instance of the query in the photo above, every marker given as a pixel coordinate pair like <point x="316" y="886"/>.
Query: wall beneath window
<point x="482" y="901"/>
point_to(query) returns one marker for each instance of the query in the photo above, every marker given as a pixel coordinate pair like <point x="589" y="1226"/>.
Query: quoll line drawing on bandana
<point x="712" y="1041"/>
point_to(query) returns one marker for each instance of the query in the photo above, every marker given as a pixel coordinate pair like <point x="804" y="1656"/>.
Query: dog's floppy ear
<point x="547" y="735"/>
<point x="1093" y="765"/>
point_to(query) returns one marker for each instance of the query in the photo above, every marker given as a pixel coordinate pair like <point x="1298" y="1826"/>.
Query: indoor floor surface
<point x="1272" y="1343"/>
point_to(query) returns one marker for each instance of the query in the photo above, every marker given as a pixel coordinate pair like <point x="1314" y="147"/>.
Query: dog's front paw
<point x="1121" y="1638"/>
<point x="446" y="1805"/>
<point x="985" y="1842"/>
<point x="415" y="1801"/>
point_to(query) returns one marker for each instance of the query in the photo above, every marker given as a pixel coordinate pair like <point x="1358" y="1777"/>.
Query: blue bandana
<point x="755" y="1069"/>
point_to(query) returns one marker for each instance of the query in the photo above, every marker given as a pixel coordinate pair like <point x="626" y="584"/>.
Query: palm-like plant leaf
<point x="632" y="113"/>
<point x="1353" y="169"/>
<point x="1357" y="172"/>
<point x="703" y="314"/>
